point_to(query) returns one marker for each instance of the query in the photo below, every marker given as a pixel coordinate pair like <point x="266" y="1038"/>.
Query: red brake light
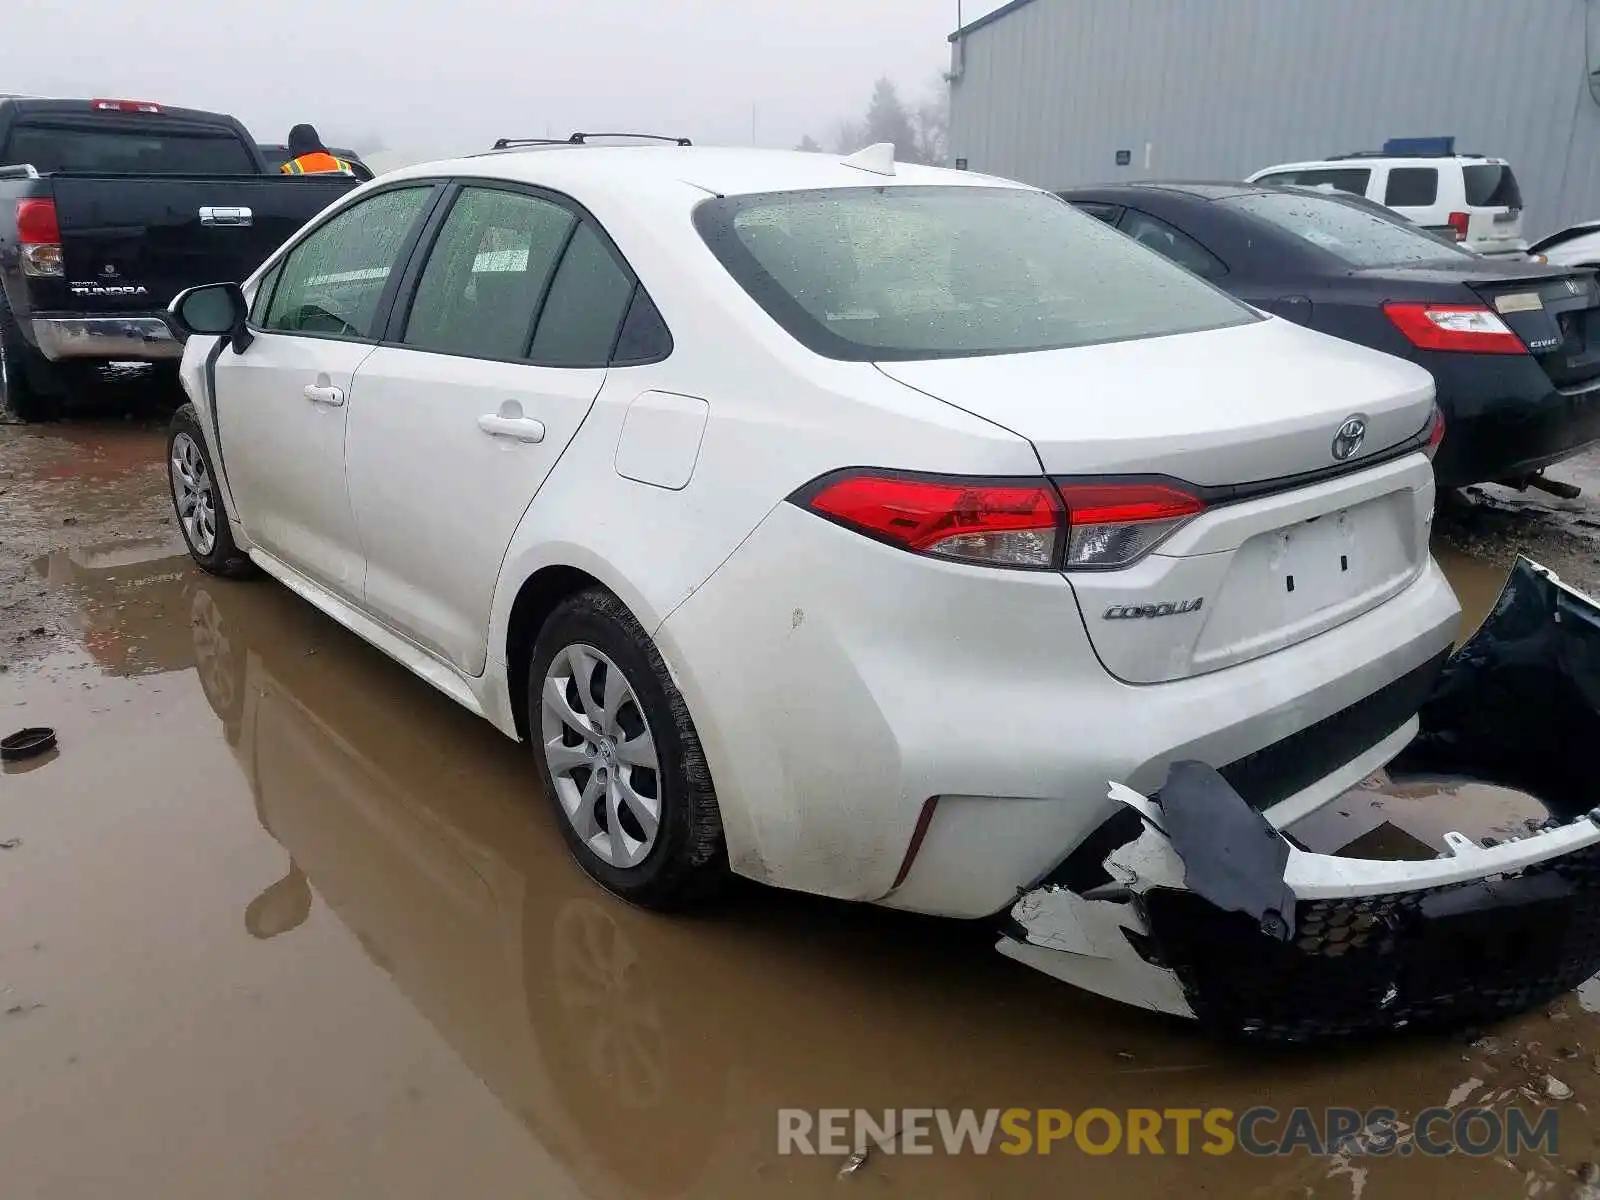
<point x="1006" y="523"/>
<point x="1458" y="224"/>
<point x="1002" y="524"/>
<point x="1114" y="524"/>
<point x="1469" y="327"/>
<point x="40" y="235"/>
<point x="135" y="106"/>
<point x="1435" y="432"/>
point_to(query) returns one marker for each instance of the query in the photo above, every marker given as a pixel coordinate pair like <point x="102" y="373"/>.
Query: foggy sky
<point x="451" y="75"/>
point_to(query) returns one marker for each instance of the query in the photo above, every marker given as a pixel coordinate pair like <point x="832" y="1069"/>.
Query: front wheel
<point x="197" y="499"/>
<point x="620" y="758"/>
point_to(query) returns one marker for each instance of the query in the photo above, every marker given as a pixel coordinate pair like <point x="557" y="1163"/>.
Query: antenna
<point x="877" y="158"/>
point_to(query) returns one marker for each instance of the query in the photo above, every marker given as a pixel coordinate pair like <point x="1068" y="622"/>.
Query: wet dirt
<point x="281" y="921"/>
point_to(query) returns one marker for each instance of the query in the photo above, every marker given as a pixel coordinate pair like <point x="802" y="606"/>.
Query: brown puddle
<point x="284" y="922"/>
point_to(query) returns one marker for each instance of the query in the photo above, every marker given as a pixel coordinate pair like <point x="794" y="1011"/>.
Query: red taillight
<point x="133" y="106"/>
<point x="1468" y="327"/>
<point x="1002" y="524"/>
<point x="1006" y="523"/>
<point x="1458" y="225"/>
<point x="1435" y="432"/>
<point x="1114" y="524"/>
<point x="40" y="235"/>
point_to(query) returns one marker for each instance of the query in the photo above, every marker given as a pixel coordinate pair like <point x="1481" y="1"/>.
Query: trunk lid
<point x="130" y="243"/>
<point x="1558" y="316"/>
<point x="1297" y="553"/>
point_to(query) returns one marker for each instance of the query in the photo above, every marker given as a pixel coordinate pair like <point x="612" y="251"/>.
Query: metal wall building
<point x="1050" y="91"/>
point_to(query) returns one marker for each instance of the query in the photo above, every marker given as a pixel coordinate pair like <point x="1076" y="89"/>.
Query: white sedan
<point x="842" y="525"/>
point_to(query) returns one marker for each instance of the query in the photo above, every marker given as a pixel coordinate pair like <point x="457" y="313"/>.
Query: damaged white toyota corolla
<point x="849" y="527"/>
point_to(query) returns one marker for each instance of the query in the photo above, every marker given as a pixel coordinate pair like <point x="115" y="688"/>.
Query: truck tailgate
<point x="131" y="244"/>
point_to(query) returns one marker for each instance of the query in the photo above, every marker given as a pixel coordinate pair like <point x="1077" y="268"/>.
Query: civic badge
<point x="1349" y="438"/>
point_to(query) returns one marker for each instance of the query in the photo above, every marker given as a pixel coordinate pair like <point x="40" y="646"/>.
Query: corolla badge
<point x="1349" y="438"/>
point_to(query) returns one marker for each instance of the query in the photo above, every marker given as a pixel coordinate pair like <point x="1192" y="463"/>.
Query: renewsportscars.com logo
<point x="1258" y="1131"/>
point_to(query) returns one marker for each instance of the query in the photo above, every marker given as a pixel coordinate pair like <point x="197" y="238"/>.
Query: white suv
<point x="844" y="525"/>
<point x="1468" y="198"/>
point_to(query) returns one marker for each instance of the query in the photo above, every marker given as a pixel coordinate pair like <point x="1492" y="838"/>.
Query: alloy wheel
<point x="194" y="493"/>
<point x="602" y="755"/>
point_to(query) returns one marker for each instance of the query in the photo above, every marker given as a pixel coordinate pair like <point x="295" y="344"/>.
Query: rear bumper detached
<point x="1191" y="903"/>
<point x="108" y="339"/>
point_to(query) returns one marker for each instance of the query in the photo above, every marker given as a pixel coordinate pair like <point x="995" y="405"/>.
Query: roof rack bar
<point x="579" y="139"/>
<point x="511" y="143"/>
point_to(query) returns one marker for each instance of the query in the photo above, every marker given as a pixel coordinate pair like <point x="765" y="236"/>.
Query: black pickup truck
<point x="108" y="209"/>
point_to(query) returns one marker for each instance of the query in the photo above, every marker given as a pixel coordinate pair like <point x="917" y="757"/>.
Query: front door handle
<point x="318" y="393"/>
<point x="521" y="429"/>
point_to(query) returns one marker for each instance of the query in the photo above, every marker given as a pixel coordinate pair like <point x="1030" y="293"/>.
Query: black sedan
<point x="1514" y="347"/>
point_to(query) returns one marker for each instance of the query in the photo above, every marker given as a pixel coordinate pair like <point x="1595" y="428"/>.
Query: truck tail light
<point x="40" y="235"/>
<point x="130" y="106"/>
<point x="1435" y="432"/>
<point x="1039" y="525"/>
<point x="1473" y="328"/>
<point x="1458" y="223"/>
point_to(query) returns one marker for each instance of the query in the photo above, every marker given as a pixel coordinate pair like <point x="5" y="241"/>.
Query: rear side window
<point x="136" y="148"/>
<point x="588" y="299"/>
<point x="333" y="281"/>
<point x="486" y="274"/>
<point x="1171" y="243"/>
<point x="1341" y="179"/>
<point x="909" y="272"/>
<point x="1491" y="186"/>
<point x="1412" y="187"/>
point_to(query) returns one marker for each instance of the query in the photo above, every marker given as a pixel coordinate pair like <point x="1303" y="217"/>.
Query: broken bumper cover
<point x="1193" y="903"/>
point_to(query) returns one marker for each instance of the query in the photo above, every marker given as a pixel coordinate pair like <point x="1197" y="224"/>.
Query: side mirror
<point x="214" y="309"/>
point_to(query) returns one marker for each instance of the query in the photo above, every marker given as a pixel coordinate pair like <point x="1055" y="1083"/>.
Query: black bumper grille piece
<point x="1445" y="956"/>
<point x="1278" y="771"/>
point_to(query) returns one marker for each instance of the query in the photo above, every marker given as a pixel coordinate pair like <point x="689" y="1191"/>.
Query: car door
<point x="282" y="402"/>
<point x="493" y="360"/>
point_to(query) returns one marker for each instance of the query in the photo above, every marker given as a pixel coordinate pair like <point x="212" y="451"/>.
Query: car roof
<point x="1203" y="189"/>
<point x="716" y="170"/>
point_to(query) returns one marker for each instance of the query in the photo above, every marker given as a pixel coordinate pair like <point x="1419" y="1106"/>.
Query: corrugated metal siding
<point x="1219" y="88"/>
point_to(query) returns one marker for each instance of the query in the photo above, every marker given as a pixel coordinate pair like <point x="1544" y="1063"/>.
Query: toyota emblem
<point x="1349" y="438"/>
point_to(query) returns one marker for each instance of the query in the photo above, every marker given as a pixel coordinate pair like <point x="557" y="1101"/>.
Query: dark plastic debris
<point x="27" y="743"/>
<point x="1519" y="704"/>
<point x="1232" y="856"/>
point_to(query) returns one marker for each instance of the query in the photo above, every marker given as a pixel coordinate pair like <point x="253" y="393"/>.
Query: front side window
<point x="1171" y="243"/>
<point x="909" y="272"/>
<point x="332" y="282"/>
<point x="1354" y="235"/>
<point x="263" y="296"/>
<point x="487" y="272"/>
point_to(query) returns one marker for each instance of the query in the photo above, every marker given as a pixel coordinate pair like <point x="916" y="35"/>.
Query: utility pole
<point x="752" y="124"/>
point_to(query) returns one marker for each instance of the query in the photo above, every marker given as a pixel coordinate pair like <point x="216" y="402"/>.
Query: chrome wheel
<point x="601" y="755"/>
<point x="194" y="494"/>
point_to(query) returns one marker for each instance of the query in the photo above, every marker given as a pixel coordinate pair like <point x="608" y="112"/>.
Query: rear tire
<point x="619" y="757"/>
<point x="197" y="500"/>
<point x="24" y="374"/>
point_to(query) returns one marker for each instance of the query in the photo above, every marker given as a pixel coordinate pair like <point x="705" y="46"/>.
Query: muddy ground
<point x="278" y="920"/>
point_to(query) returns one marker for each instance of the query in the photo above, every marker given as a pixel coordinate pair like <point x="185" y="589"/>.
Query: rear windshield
<point x="880" y="273"/>
<point x="1491" y="186"/>
<point x="1354" y="234"/>
<point x="105" y="149"/>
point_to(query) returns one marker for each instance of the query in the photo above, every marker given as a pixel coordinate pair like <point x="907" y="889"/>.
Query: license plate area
<point x="1291" y="583"/>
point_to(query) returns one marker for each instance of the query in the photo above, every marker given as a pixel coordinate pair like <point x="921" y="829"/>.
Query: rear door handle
<point x="521" y="429"/>
<point x="320" y="394"/>
<point x="210" y="215"/>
